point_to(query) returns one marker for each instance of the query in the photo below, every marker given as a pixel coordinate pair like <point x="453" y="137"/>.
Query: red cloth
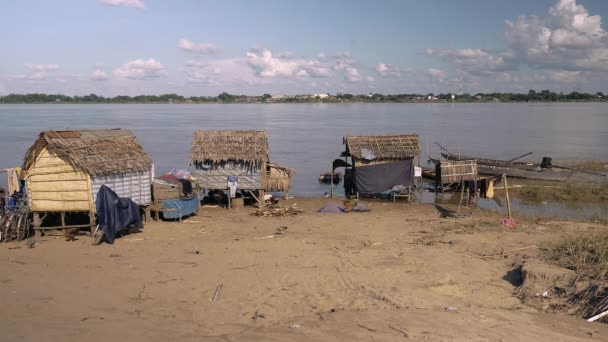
<point x="168" y="178"/>
<point x="509" y="223"/>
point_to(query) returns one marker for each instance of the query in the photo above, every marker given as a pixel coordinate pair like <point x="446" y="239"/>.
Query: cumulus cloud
<point x="564" y="46"/>
<point x="141" y="69"/>
<point x="229" y="72"/>
<point x="99" y="75"/>
<point x="388" y="70"/>
<point x="265" y="64"/>
<point x="436" y="75"/>
<point x="474" y="61"/>
<point x="200" y="48"/>
<point x="42" y="67"/>
<point x="36" y="76"/>
<point x="137" y="4"/>
<point x="345" y="64"/>
<point x="568" y="38"/>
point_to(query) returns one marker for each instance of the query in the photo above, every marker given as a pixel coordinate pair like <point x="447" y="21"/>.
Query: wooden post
<point x="331" y="181"/>
<point x="37" y="224"/>
<point x="92" y="222"/>
<point x="504" y="179"/>
<point x="461" y="193"/>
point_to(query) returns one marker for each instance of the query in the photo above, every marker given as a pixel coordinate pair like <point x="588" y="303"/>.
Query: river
<point x="308" y="137"/>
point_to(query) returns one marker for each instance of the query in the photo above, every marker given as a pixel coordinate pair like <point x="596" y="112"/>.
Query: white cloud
<point x="265" y="64"/>
<point x="388" y="70"/>
<point x="436" y="74"/>
<point x="140" y="69"/>
<point x="565" y="46"/>
<point x="201" y="48"/>
<point x="36" y="76"/>
<point x="471" y="60"/>
<point x="345" y="64"/>
<point x="224" y="74"/>
<point x="42" y="67"/>
<point x="568" y="38"/>
<point x="99" y="75"/>
<point x="137" y="4"/>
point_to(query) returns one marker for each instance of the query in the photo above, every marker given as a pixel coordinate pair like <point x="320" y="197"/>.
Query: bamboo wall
<point x="54" y="185"/>
<point x="277" y="180"/>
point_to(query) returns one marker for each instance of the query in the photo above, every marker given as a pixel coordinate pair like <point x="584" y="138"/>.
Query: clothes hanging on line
<point x="232" y="185"/>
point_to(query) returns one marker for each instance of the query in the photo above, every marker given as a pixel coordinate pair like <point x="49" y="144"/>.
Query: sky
<point x="205" y="47"/>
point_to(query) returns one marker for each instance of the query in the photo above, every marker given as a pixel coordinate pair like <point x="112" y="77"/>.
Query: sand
<point x="385" y="275"/>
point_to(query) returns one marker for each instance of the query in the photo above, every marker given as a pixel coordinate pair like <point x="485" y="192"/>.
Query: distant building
<point x="453" y="97"/>
<point x="321" y="96"/>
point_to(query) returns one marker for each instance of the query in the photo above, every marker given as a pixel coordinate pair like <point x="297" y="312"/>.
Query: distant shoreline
<point x="296" y="103"/>
<point x="225" y="98"/>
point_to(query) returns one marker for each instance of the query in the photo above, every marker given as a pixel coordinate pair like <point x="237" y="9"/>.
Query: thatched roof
<point x="387" y="147"/>
<point x="96" y="152"/>
<point x="279" y="177"/>
<point x="239" y="146"/>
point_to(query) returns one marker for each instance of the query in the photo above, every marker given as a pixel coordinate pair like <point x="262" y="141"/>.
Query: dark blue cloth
<point x="114" y="213"/>
<point x="233" y="178"/>
<point x="182" y="207"/>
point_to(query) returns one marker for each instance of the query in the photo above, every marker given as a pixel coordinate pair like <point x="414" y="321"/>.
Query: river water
<point x="308" y="137"/>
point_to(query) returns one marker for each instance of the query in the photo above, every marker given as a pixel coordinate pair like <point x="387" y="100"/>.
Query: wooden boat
<point x="326" y="177"/>
<point x="524" y="170"/>
<point x="486" y="161"/>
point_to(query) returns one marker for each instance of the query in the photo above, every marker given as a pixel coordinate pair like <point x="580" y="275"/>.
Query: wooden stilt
<point x="92" y="222"/>
<point x="331" y="182"/>
<point x="461" y="194"/>
<point x="37" y="224"/>
<point x="504" y="179"/>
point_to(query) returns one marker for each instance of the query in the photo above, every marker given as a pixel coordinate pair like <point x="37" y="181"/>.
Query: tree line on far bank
<point x="532" y="95"/>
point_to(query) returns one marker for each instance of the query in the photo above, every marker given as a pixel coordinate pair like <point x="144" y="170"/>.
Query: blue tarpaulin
<point x="176" y="208"/>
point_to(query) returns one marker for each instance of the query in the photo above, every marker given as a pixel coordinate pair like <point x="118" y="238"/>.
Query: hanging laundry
<point x="482" y="184"/>
<point x="490" y="192"/>
<point x="13" y="180"/>
<point x="232" y="185"/>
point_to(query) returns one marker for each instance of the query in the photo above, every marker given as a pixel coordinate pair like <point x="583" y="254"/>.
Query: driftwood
<point x="276" y="211"/>
<point x="216" y="295"/>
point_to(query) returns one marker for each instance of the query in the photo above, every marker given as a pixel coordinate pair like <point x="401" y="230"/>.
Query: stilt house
<point x="64" y="170"/>
<point x="378" y="163"/>
<point x="217" y="155"/>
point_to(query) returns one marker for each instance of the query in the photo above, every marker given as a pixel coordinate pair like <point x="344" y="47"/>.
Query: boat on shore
<point x="530" y="170"/>
<point x="327" y="177"/>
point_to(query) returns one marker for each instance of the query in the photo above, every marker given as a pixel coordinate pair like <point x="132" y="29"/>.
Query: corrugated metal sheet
<point x="135" y="186"/>
<point x="218" y="178"/>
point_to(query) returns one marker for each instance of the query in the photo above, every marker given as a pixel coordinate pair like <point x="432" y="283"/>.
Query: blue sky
<point x="112" y="47"/>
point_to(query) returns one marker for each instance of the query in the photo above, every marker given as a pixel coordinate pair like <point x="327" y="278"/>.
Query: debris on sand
<point x="276" y="211"/>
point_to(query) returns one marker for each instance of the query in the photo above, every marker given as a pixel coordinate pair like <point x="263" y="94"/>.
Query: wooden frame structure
<point x="217" y="155"/>
<point x="375" y="149"/>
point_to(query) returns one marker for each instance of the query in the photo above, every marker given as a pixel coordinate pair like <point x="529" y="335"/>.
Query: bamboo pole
<point x="461" y="193"/>
<point x="331" y="180"/>
<point x="504" y="179"/>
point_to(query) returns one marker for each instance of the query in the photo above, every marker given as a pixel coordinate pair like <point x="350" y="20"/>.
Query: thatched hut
<point x="217" y="155"/>
<point x="377" y="163"/>
<point x="63" y="171"/>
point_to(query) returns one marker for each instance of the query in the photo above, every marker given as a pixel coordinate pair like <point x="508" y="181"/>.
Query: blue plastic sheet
<point x="176" y="208"/>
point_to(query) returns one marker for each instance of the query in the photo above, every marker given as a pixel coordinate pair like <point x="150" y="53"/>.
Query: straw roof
<point x="388" y="147"/>
<point x="239" y="146"/>
<point x="96" y="152"/>
<point x="279" y="177"/>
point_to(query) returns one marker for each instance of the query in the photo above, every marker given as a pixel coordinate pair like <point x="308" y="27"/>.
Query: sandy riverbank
<point x="385" y="275"/>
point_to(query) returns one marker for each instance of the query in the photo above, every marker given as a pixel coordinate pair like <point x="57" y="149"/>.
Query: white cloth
<point x="232" y="186"/>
